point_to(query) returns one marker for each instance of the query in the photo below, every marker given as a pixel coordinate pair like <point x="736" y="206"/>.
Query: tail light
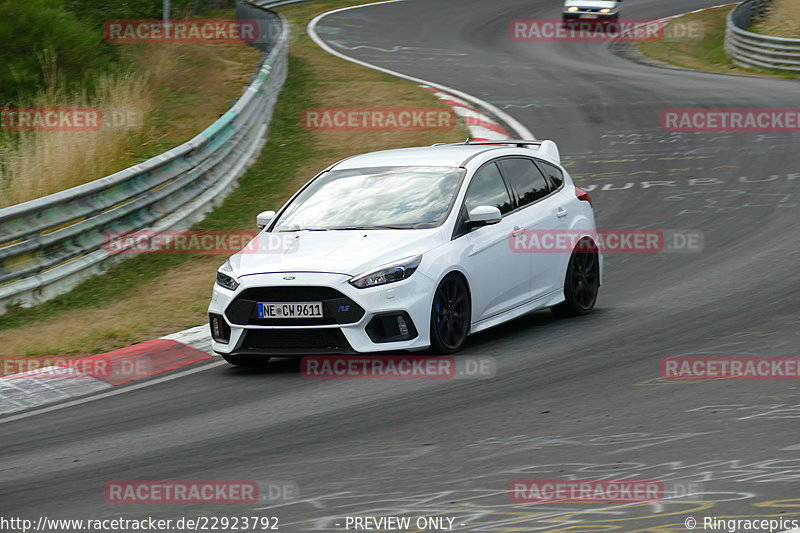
<point x="583" y="195"/>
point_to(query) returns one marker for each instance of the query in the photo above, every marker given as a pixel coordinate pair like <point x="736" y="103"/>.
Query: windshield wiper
<point x="342" y="228"/>
<point x="405" y="226"/>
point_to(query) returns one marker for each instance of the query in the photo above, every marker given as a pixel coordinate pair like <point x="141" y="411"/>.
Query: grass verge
<point x="148" y="296"/>
<point x="706" y="53"/>
<point x="783" y="20"/>
<point x="38" y="163"/>
<point x="166" y="94"/>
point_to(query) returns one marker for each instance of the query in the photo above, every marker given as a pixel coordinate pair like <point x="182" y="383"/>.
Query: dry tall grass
<point x="783" y="20"/>
<point x="38" y="163"/>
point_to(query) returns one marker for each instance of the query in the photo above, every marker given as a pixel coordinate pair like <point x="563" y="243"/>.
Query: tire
<point x="249" y="361"/>
<point x="581" y="283"/>
<point x="451" y="314"/>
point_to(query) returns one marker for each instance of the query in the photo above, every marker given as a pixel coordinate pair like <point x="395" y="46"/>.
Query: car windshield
<point x="374" y="198"/>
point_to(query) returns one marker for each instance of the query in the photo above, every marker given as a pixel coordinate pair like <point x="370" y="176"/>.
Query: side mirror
<point x="264" y="218"/>
<point x="484" y="215"/>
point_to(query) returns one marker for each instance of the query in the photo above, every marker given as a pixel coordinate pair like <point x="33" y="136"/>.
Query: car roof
<point x="434" y="156"/>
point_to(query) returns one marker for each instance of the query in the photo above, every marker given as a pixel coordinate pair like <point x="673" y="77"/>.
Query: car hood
<point x="595" y="4"/>
<point x="348" y="252"/>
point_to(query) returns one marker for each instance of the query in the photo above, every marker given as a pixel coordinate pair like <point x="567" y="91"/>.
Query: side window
<point x="488" y="188"/>
<point x="552" y="172"/>
<point x="526" y="179"/>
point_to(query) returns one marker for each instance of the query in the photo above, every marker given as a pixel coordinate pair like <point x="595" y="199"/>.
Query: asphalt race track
<point x="571" y="399"/>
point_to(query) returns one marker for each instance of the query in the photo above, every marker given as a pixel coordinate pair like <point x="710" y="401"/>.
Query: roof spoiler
<point x="547" y="148"/>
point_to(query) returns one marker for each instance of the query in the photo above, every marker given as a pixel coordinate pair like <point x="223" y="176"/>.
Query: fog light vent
<point x="401" y="324"/>
<point x="391" y="327"/>
<point x="220" y="331"/>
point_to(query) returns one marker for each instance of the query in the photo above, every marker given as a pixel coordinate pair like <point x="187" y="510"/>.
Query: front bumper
<point x="590" y="15"/>
<point x="355" y="320"/>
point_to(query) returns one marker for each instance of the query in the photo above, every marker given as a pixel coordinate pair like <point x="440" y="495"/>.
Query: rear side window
<point x="525" y="178"/>
<point x="552" y="172"/>
<point x="488" y="188"/>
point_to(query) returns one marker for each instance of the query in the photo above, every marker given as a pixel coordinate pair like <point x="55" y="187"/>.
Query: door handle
<point x="517" y="230"/>
<point x="561" y="213"/>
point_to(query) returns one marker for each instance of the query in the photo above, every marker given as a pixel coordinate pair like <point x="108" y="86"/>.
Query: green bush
<point x="39" y="33"/>
<point x="33" y="33"/>
<point x="99" y="11"/>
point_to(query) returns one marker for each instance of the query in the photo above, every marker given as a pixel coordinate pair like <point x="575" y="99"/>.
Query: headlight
<point x="572" y="8"/>
<point x="225" y="277"/>
<point x="605" y="10"/>
<point x="388" y="273"/>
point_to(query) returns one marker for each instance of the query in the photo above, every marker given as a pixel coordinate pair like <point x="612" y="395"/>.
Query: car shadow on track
<point x="276" y="365"/>
<point x="531" y="325"/>
<point x="490" y="342"/>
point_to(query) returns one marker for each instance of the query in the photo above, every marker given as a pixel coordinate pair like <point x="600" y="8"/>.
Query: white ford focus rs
<point x="409" y="249"/>
<point x="599" y="10"/>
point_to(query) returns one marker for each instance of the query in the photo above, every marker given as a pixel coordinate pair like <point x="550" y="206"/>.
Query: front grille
<point x="337" y="308"/>
<point x="295" y="342"/>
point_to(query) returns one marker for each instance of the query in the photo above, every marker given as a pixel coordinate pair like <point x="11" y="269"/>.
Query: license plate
<point x="588" y="16"/>
<point x="290" y="310"/>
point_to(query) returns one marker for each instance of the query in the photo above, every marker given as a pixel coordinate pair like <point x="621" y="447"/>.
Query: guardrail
<point x="750" y="49"/>
<point x="49" y="245"/>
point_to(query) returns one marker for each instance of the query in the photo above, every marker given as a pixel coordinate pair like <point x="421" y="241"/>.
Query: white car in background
<point x="406" y="250"/>
<point x="591" y="10"/>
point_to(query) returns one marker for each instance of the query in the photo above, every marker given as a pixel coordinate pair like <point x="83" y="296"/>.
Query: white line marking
<point x="700" y="10"/>
<point x="519" y="129"/>
<point x="108" y="394"/>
